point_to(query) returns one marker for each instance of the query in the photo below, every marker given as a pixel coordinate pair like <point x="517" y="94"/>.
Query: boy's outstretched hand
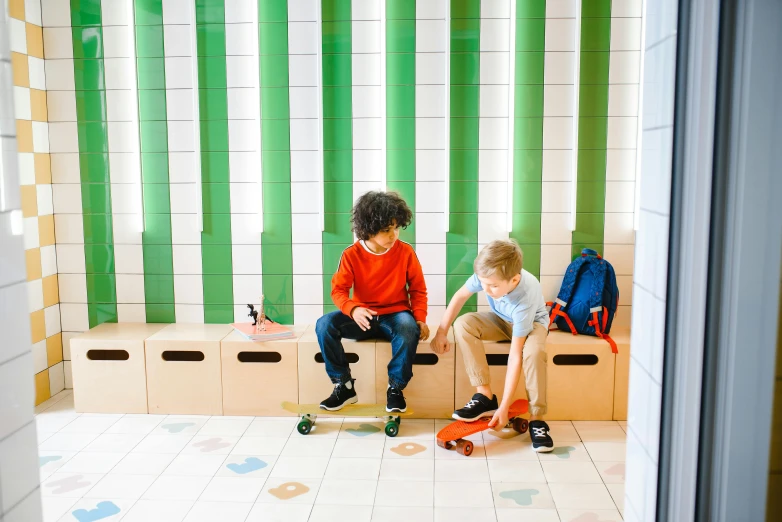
<point x="424" y="330"/>
<point x="440" y="342"/>
<point x="363" y="316"/>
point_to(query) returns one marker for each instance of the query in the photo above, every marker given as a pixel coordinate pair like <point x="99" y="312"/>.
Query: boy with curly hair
<point x="389" y="299"/>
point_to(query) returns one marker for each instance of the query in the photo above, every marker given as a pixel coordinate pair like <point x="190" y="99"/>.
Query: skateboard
<point x="309" y="413"/>
<point x="452" y="436"/>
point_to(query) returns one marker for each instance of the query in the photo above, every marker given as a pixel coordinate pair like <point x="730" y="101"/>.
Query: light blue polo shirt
<point x="522" y="307"/>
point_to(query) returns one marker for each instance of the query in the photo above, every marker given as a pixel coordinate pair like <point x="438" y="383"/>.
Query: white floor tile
<point x="171" y="443"/>
<point x="407" y="514"/>
<point x="289" y="491"/>
<point x="52" y="423"/>
<point x="522" y="495"/>
<point x="308" y="447"/>
<point x="179" y="425"/>
<point x="347" y="492"/>
<point x="136" y="424"/>
<point x="210" y="444"/>
<point x="460" y="514"/>
<point x="398" y="448"/>
<point x="92" y="462"/>
<point x="41" y="436"/>
<point x="64" y="406"/>
<point x="327" y="513"/>
<point x="222" y="511"/>
<point x="89" y="424"/>
<point x="515" y="471"/>
<point x="510" y="450"/>
<point x="364" y="430"/>
<point x="581" y="515"/>
<point x="56" y="507"/>
<point x="69" y="484"/>
<point x="195" y="465"/>
<point x="410" y="470"/>
<point x="402" y="493"/>
<point x="527" y="515"/>
<point x="68" y="441"/>
<point x="121" y="486"/>
<point x="106" y="509"/>
<point x="247" y="466"/>
<point x="262" y="427"/>
<point x="611" y="472"/>
<point x="571" y="472"/>
<point x="263" y="512"/>
<point x="581" y="496"/>
<point x="618" y="494"/>
<point x="609" y="431"/>
<point x="143" y="464"/>
<point x="355" y="469"/>
<point x="227" y="427"/>
<point x="158" y="511"/>
<point x="302" y="467"/>
<point x="50" y="461"/>
<point x="115" y="442"/>
<point x="417" y="429"/>
<point x="464" y="470"/>
<point x="176" y="488"/>
<point x="623" y="425"/>
<point x="232" y="489"/>
<point x="603" y="451"/>
<point x="346" y="448"/>
<point x="446" y="495"/>
<point x="252" y="445"/>
<point x="568" y="451"/>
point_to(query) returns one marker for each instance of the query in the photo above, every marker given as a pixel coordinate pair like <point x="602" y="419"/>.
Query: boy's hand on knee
<point x="439" y="343"/>
<point x="363" y="316"/>
<point x="424" y="330"/>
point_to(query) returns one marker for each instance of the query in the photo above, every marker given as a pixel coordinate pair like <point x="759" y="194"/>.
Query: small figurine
<point x="262" y="314"/>
<point x="253" y="313"/>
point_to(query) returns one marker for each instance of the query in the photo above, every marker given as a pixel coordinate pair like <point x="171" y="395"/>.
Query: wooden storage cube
<point x="430" y="393"/>
<point x="580" y="377"/>
<point x="183" y="369"/>
<point x="259" y="376"/>
<point x="315" y="385"/>
<point x="497" y="357"/>
<point x="621" y="373"/>
<point x="109" y="368"/>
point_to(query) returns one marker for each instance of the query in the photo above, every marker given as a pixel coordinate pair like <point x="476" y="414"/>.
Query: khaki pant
<point x="473" y="328"/>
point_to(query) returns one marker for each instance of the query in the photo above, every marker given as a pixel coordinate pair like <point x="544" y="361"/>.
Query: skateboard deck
<point x="309" y="414"/>
<point x="452" y="436"/>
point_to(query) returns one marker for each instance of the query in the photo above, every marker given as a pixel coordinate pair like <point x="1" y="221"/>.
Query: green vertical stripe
<point x="153" y="131"/>
<point x="337" y="136"/>
<point x="217" y="265"/>
<point x="400" y="104"/>
<point x="464" y="85"/>
<point x="277" y="237"/>
<point x="528" y="130"/>
<point x="592" y="126"/>
<point x="92" y="128"/>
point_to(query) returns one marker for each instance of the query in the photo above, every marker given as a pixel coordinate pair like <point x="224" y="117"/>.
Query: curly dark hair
<point x="375" y="211"/>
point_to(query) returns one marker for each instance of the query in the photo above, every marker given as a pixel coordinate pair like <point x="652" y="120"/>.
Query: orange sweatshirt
<point x="386" y="283"/>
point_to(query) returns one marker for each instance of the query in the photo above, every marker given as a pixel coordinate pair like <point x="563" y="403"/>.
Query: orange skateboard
<point x="452" y="436"/>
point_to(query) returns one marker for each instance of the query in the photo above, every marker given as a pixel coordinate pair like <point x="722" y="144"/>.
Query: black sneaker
<point x="539" y="433"/>
<point x="479" y="406"/>
<point x="344" y="393"/>
<point x="395" y="401"/>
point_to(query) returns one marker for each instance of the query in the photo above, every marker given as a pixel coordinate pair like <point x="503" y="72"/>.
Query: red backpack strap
<point x="557" y="311"/>
<point x="596" y="323"/>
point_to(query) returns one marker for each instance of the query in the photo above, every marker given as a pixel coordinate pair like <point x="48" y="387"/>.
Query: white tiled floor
<point x="156" y="468"/>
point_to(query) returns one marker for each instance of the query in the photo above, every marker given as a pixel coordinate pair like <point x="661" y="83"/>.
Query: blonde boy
<point x="518" y="314"/>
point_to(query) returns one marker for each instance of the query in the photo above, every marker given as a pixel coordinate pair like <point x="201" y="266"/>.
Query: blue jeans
<point x="399" y="328"/>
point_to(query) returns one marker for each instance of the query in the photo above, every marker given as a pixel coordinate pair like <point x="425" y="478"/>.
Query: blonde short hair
<point x="501" y="258"/>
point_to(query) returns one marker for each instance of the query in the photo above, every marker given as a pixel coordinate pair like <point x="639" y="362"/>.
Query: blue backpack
<point x="588" y="299"/>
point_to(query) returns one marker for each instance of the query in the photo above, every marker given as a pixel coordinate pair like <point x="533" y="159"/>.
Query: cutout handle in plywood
<point x="497" y="359"/>
<point x="108" y="355"/>
<point x="426" y="359"/>
<point x="575" y="359"/>
<point x="182" y="356"/>
<point x="352" y="358"/>
<point x="259" y="357"/>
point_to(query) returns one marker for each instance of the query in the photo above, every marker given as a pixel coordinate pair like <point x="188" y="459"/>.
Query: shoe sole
<point x="481" y="416"/>
<point x="352" y="400"/>
<point x="396" y="410"/>
<point x="543" y="449"/>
